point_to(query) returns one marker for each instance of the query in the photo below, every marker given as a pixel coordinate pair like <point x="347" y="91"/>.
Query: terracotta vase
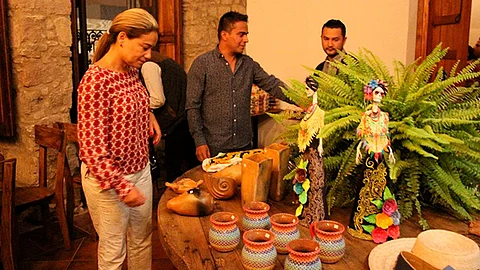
<point x="280" y="154"/>
<point x="303" y="255"/>
<point x="329" y="234"/>
<point x="256" y="216"/>
<point x="258" y="251"/>
<point x="256" y="173"/>
<point x="224" y="234"/>
<point x="284" y="226"/>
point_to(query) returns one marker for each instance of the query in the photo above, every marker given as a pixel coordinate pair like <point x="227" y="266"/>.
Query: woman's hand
<point x="135" y="198"/>
<point x="154" y="129"/>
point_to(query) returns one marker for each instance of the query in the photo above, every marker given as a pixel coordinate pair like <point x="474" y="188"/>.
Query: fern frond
<point x="417" y="148"/>
<point x="339" y="125"/>
<point x="334" y="114"/>
<point x="296" y="92"/>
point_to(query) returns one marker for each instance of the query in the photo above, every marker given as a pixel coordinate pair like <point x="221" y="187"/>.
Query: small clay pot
<point x="256" y="216"/>
<point x="329" y="234"/>
<point x="303" y="255"/>
<point x="258" y="251"/>
<point x="224" y="234"/>
<point x="284" y="226"/>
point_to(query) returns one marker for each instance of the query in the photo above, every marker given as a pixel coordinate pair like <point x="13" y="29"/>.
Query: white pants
<point x="121" y="229"/>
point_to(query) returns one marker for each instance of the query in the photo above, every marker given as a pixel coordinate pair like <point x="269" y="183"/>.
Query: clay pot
<point x="303" y="255"/>
<point x="256" y="216"/>
<point x="329" y="234"/>
<point x="258" y="251"/>
<point x="224" y="234"/>
<point x="284" y="226"/>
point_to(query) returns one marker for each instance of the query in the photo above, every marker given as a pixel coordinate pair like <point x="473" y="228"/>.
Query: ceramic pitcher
<point x="303" y="255"/>
<point x="329" y="234"/>
<point x="224" y="234"/>
<point x="256" y="216"/>
<point x="284" y="226"/>
<point x="258" y="251"/>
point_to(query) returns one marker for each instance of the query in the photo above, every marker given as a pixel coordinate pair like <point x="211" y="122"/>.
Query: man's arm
<point x="193" y="105"/>
<point x="269" y="83"/>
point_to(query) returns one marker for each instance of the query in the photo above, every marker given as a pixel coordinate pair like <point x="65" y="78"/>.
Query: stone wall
<point x="200" y="22"/>
<point x="40" y="40"/>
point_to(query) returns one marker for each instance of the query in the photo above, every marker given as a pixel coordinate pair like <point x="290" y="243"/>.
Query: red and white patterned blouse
<point x="113" y="118"/>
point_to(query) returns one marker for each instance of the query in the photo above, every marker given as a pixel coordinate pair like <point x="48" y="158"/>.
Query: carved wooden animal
<point x="194" y="202"/>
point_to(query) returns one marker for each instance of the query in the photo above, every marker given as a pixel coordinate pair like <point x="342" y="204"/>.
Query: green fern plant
<point x="434" y="126"/>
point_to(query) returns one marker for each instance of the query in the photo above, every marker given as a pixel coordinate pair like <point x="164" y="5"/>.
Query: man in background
<point x="166" y="82"/>
<point x="219" y="89"/>
<point x="333" y="39"/>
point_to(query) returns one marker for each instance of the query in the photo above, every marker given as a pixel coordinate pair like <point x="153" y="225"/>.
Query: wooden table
<point x="185" y="239"/>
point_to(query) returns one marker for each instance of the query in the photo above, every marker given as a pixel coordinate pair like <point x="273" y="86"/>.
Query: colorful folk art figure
<point x="375" y="215"/>
<point x="309" y="180"/>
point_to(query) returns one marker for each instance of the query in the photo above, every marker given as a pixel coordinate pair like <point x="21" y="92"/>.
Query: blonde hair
<point x="134" y="22"/>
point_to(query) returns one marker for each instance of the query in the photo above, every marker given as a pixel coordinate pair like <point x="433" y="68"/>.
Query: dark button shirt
<point x="327" y="68"/>
<point x="218" y="101"/>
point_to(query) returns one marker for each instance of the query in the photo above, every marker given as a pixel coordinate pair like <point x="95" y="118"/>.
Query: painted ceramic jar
<point x="258" y="251"/>
<point x="256" y="216"/>
<point x="329" y="234"/>
<point x="303" y="255"/>
<point x="224" y="234"/>
<point x="284" y="226"/>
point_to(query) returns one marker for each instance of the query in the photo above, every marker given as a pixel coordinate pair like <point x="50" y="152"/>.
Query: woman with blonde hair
<point x="114" y="125"/>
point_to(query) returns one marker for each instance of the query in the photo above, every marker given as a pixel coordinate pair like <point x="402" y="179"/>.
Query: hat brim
<point x="384" y="256"/>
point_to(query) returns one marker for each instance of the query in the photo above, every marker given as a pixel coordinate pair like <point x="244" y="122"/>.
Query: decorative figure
<point x="308" y="176"/>
<point x="224" y="235"/>
<point x="183" y="185"/>
<point x="195" y="202"/>
<point x="375" y="214"/>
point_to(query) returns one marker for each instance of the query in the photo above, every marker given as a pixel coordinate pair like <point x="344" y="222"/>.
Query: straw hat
<point x="439" y="248"/>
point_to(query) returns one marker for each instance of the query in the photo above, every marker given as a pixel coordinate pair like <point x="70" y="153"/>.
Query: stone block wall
<point x="200" y="22"/>
<point x="40" y="40"/>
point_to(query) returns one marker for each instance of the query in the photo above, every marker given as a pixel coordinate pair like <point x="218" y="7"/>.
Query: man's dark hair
<point x="336" y="24"/>
<point x="228" y="20"/>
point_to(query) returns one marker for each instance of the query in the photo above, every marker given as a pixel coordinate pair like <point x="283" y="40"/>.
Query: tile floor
<point x="36" y="254"/>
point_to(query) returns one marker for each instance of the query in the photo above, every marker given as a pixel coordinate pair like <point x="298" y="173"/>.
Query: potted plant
<point x="434" y="127"/>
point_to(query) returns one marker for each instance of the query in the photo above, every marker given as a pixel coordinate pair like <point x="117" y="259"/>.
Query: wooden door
<point x="445" y="21"/>
<point x="169" y="16"/>
<point x="7" y="123"/>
